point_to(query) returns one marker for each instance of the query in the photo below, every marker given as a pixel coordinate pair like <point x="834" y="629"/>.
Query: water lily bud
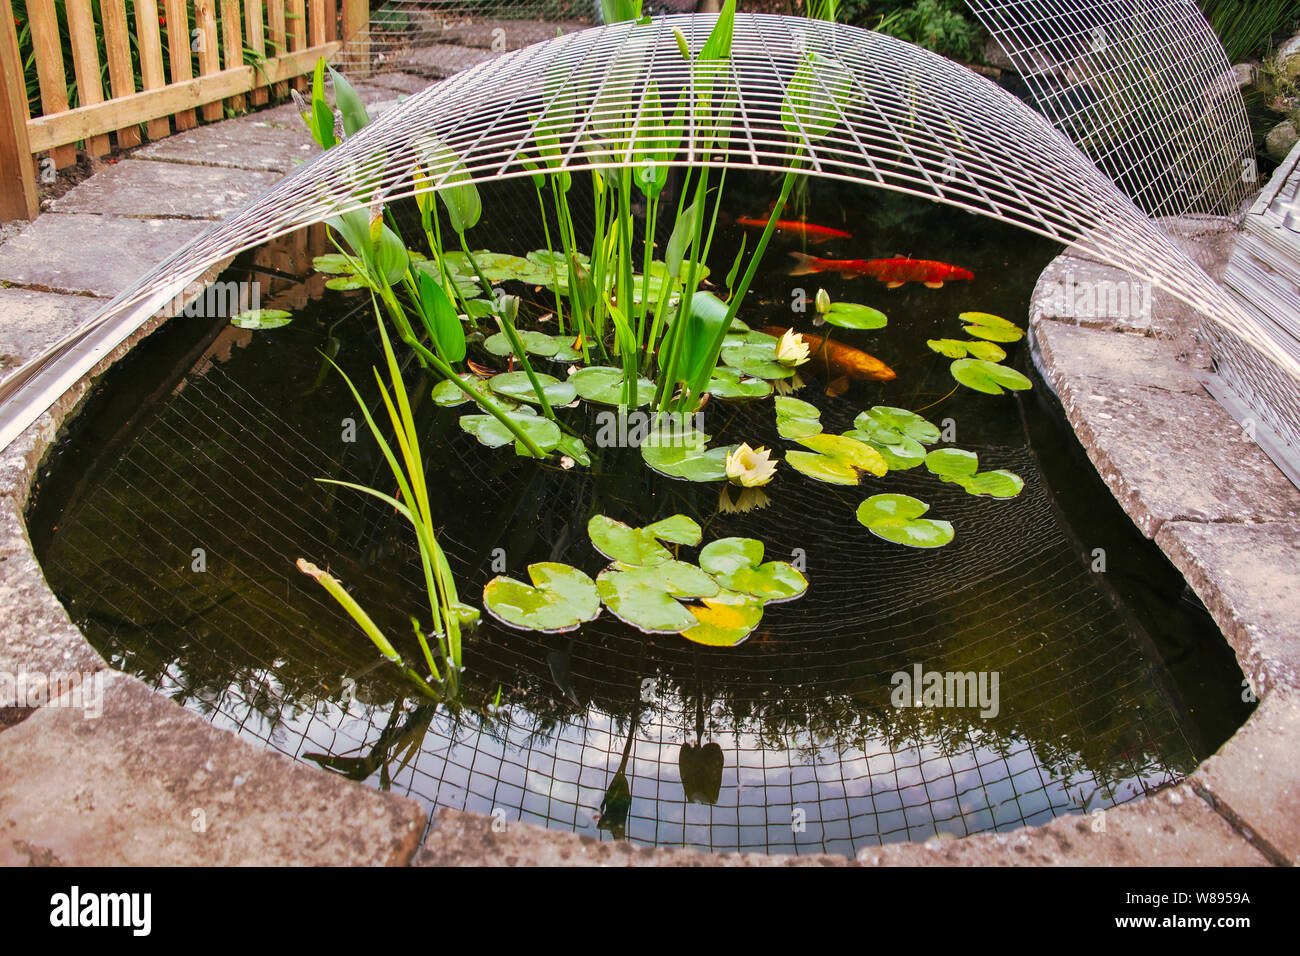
<point x="509" y="306"/>
<point x="791" y="350"/>
<point x="750" y="467"/>
<point x="823" y="301"/>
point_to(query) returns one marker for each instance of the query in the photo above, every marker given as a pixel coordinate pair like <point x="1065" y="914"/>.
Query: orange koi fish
<point x="892" y="272"/>
<point x="797" y="227"/>
<point x="840" y="364"/>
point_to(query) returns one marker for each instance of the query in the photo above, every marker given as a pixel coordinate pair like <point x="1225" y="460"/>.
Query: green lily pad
<point x="952" y="463"/>
<point x="640" y="546"/>
<point x="994" y="328"/>
<point x="498" y="267"/>
<point x="518" y="386"/>
<point x="999" y="483"/>
<point x="684" y="455"/>
<point x="489" y="431"/>
<point x="261" y="319"/>
<point x="897" y="518"/>
<point x="560" y="599"/>
<point x="447" y="395"/>
<point x="535" y="343"/>
<point x="725" y="619"/>
<point x="836" y="459"/>
<point x="988" y="377"/>
<point x="333" y="264"/>
<point x="730" y="385"/>
<point x="959" y="348"/>
<point x="754" y="354"/>
<point x="884" y="423"/>
<point x="796" y="418"/>
<point x="345" y="284"/>
<point x="737" y="564"/>
<point x="850" y="315"/>
<point x="603" y="385"/>
<point x="573" y="446"/>
<point x="647" y="597"/>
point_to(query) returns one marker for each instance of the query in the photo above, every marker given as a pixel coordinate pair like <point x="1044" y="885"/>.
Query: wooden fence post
<point x="17" y="174"/>
<point x="356" y="37"/>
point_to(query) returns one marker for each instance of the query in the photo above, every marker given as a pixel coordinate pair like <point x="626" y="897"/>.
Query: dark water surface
<point x="1110" y="683"/>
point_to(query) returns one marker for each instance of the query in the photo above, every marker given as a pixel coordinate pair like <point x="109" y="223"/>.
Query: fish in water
<point x="840" y="364"/>
<point x="892" y="272"/>
<point x="797" y="227"/>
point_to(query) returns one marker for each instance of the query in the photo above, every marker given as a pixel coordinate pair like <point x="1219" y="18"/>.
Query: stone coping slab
<point x="150" y="190"/>
<point x="30" y="322"/>
<point x="90" y="254"/>
<point x="249" y="142"/>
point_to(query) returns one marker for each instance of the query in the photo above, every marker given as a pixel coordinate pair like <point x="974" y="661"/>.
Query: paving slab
<point x="458" y="838"/>
<point x="1172" y="828"/>
<point x="1167" y="452"/>
<point x="149" y="783"/>
<point x="1254" y="780"/>
<point x="95" y="255"/>
<point x="402" y="83"/>
<point x="516" y="34"/>
<point x="444" y="59"/>
<point x="31" y="322"/>
<point x="142" y="189"/>
<point x="1246" y="575"/>
<point x="248" y="142"/>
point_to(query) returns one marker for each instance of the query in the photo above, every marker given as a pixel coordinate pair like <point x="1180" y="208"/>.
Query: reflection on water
<point x="791" y="742"/>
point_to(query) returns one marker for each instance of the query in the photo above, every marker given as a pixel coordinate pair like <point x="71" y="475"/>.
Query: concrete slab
<point x="402" y="83"/>
<point x="1172" y="828"/>
<point x="444" y="59"/>
<point x="31" y="322"/>
<point x="95" y="255"/>
<point x="1254" y="781"/>
<point x="1166" y="452"/>
<point x="249" y="142"/>
<point x="515" y="34"/>
<point x="470" y="839"/>
<point x="1246" y="576"/>
<point x="149" y="190"/>
<point x="149" y="783"/>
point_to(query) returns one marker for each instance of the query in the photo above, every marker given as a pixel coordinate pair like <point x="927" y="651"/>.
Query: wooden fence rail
<point x="284" y="38"/>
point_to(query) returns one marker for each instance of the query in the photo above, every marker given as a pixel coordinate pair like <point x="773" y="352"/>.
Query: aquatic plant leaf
<point x="737" y="564"/>
<point x="688" y="463"/>
<point x="351" y="109"/>
<point x="999" y="483"/>
<point x="897" y="518"/>
<point x="959" y="348"/>
<point x="640" y="546"/>
<point x="836" y="459"/>
<point x="489" y="431"/>
<point x="993" y="328"/>
<point x="535" y="343"/>
<point x="603" y="384"/>
<point x="899" y="455"/>
<point x="796" y="418"/>
<point x="730" y="385"/>
<point x="499" y="267"/>
<point x="333" y="263"/>
<point x="447" y="395"/>
<point x="647" y="597"/>
<point x="440" y="318"/>
<point x="560" y="599"/>
<point x="850" y="315"/>
<point x="887" y="424"/>
<point x="724" y="620"/>
<point x="988" y="377"/>
<point x="754" y="354"/>
<point x="345" y="283"/>
<point x="518" y="386"/>
<point x="952" y="463"/>
<point x="574" y="447"/>
<point x="261" y="319"/>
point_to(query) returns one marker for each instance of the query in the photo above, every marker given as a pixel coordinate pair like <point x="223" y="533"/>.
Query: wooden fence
<point x="246" y="51"/>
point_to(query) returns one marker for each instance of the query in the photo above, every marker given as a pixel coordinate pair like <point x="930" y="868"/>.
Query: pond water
<point x="169" y="518"/>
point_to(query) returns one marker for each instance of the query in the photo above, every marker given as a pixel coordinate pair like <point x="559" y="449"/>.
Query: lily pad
<point x="952" y="463"/>
<point x="640" y="546"/>
<point x="573" y="447"/>
<point x="884" y="423"/>
<point x="535" y="343"/>
<point x="560" y="599"/>
<point x="836" y="459"/>
<point x="796" y="418"/>
<point x="683" y="454"/>
<point x="994" y="328"/>
<point x="900" y="455"/>
<point x="960" y="348"/>
<point x="647" y="597"/>
<point x="999" y="483"/>
<point x="345" y="284"/>
<point x="261" y="319"/>
<point x="724" y="620"/>
<point x="333" y="264"/>
<point x="603" y="384"/>
<point x="754" y="354"/>
<point x="988" y="377"/>
<point x="850" y="315"/>
<point x="447" y="395"/>
<point x="897" y="518"/>
<point x="491" y="432"/>
<point x="737" y="564"/>
<point x="731" y="385"/>
<point x="518" y="386"/>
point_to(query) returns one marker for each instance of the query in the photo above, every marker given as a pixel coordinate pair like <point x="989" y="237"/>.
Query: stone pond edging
<point x="148" y="782"/>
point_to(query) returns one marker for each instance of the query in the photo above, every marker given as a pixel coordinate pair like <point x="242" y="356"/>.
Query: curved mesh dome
<point x="850" y="104"/>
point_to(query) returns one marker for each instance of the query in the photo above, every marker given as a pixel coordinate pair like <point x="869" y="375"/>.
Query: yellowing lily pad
<point x="560" y="599"/>
<point x="837" y="459"/>
<point x="737" y="564"/>
<point x="959" y="348"/>
<point x="796" y="418"/>
<point x="994" y="328"/>
<point x="724" y="620"/>
<point x="897" y="518"/>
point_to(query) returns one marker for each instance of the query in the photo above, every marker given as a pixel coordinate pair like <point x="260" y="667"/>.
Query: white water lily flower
<point x="750" y="467"/>
<point x="792" y="349"/>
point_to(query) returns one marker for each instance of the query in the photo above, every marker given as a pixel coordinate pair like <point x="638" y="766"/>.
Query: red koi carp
<point x="892" y="272"/>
